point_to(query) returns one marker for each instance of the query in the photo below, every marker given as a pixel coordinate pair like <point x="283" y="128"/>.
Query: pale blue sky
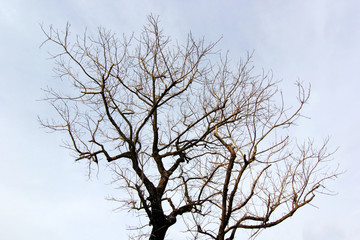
<point x="45" y="195"/>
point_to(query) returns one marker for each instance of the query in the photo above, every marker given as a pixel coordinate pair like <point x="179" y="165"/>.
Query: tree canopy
<point x="185" y="132"/>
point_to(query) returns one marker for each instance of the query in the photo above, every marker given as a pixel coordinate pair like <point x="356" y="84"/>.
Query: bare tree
<point x="185" y="132"/>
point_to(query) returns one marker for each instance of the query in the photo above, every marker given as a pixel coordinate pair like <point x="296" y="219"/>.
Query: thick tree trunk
<point x="159" y="221"/>
<point x="158" y="232"/>
<point x="160" y="226"/>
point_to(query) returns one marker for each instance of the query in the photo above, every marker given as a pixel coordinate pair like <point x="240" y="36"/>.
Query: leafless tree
<point x="186" y="133"/>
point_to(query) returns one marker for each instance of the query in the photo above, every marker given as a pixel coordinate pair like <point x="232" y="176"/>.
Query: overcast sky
<point x="45" y="195"/>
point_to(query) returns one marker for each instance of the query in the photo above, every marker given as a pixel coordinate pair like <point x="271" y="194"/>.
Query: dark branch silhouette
<point x="185" y="133"/>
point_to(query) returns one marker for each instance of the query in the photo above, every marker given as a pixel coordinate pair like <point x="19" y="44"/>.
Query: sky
<point x="44" y="194"/>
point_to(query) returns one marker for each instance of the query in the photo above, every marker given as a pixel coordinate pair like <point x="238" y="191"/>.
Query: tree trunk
<point x="158" y="232"/>
<point x="159" y="221"/>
